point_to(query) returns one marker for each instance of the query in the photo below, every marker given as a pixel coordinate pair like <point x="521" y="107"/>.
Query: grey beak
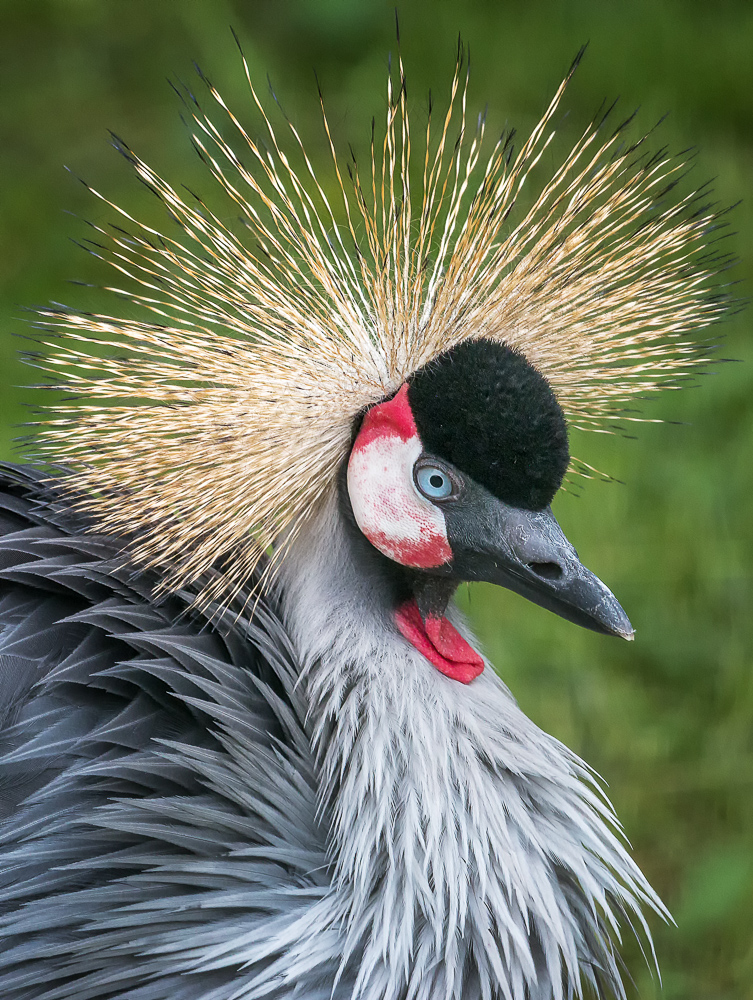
<point x="527" y="551"/>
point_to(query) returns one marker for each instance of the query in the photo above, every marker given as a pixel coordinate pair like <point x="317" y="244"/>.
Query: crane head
<point x="453" y="477"/>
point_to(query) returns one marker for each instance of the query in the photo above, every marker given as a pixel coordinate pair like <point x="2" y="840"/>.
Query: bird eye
<point x="434" y="483"/>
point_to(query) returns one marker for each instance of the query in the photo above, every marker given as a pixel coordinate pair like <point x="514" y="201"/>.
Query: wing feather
<point x="157" y="791"/>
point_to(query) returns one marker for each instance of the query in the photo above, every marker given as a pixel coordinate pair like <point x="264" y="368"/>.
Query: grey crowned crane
<point x="249" y="747"/>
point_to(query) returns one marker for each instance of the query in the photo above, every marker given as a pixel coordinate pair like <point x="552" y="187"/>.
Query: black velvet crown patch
<point x="485" y="409"/>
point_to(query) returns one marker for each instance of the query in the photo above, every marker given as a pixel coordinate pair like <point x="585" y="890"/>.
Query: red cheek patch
<point x="440" y="642"/>
<point x="389" y="510"/>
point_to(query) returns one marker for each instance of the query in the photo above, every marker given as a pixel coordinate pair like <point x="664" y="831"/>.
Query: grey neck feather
<point x="473" y="854"/>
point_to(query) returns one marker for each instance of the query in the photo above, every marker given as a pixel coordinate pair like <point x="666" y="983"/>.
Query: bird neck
<point x="455" y="826"/>
<point x="385" y="728"/>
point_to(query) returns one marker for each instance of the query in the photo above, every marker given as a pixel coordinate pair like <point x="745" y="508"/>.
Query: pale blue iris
<point x="433" y="482"/>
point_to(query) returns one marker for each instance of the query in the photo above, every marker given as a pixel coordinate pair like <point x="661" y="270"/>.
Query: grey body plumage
<point x="135" y="739"/>
<point x="257" y="809"/>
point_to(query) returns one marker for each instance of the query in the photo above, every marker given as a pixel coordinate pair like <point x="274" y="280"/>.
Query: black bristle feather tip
<point x="483" y="407"/>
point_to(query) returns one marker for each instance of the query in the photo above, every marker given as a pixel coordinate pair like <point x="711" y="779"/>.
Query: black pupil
<point x="436" y="480"/>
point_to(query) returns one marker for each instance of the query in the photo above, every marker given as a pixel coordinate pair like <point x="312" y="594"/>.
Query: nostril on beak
<point x="546" y="570"/>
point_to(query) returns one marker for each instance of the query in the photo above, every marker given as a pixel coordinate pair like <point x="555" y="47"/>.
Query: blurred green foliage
<point x="668" y="719"/>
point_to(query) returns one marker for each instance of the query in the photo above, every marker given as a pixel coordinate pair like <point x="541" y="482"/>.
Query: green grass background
<point x="668" y="719"/>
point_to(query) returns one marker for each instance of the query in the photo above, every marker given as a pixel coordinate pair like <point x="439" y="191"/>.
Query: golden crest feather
<point x="211" y="430"/>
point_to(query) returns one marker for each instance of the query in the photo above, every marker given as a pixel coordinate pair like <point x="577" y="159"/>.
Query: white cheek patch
<point x="388" y="508"/>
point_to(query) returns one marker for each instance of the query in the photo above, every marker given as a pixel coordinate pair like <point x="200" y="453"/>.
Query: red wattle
<point x="440" y="642"/>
